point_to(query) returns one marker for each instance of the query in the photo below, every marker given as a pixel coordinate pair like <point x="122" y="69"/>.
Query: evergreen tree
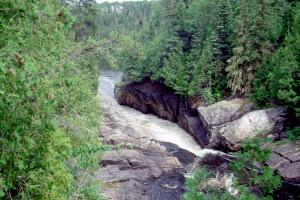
<point x="223" y="33"/>
<point x="203" y="74"/>
<point x="251" y="44"/>
<point x="278" y="81"/>
<point x="175" y="72"/>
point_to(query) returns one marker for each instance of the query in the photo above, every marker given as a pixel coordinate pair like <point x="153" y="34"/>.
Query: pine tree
<point x="278" y="81"/>
<point x="251" y="44"/>
<point x="203" y="74"/>
<point x="175" y="72"/>
<point x="223" y="32"/>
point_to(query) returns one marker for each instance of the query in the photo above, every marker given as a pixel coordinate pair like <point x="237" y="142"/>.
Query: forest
<point x="216" y="48"/>
<point x="51" y="50"/>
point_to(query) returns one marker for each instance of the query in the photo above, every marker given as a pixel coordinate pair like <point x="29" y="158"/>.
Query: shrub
<point x="252" y="179"/>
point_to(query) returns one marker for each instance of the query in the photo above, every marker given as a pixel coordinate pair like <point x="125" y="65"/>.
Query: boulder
<point x="265" y="122"/>
<point x="223" y="112"/>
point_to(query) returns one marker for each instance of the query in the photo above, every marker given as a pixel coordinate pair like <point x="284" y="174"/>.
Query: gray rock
<point x="290" y="171"/>
<point x="283" y="159"/>
<point x="125" y="171"/>
<point x="264" y="122"/>
<point x="290" y="151"/>
<point x="223" y="112"/>
<point x="277" y="161"/>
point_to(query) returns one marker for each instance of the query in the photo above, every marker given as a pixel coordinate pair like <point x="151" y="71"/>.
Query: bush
<point x="49" y="110"/>
<point x="252" y="179"/>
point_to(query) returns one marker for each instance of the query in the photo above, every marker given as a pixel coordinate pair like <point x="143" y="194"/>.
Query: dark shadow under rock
<point x="166" y="187"/>
<point x="185" y="157"/>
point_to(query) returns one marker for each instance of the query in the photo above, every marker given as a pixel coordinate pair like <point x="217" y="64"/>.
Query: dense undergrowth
<point x="49" y="110"/>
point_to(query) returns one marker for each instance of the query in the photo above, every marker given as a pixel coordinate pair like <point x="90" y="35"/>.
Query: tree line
<point x="217" y="48"/>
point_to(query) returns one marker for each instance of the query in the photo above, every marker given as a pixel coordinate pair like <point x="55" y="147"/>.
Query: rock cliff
<point x="156" y="98"/>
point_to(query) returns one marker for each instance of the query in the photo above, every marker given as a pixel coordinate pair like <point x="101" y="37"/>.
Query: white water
<point x="161" y="129"/>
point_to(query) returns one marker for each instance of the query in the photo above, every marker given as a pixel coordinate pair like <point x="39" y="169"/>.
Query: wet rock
<point x="290" y="190"/>
<point x="131" y="173"/>
<point x="265" y="122"/>
<point x="216" y="163"/>
<point x="130" y="190"/>
<point x="153" y="97"/>
<point x="185" y="157"/>
<point x="166" y="187"/>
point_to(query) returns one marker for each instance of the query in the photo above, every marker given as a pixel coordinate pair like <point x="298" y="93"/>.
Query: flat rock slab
<point x="290" y="171"/>
<point x="290" y="151"/>
<point x="277" y="161"/>
<point x="285" y="159"/>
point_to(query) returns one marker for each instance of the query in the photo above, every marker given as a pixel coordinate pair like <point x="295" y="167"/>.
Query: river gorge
<point x="157" y="155"/>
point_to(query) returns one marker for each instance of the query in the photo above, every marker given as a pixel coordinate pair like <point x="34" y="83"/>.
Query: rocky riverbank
<point x="142" y="169"/>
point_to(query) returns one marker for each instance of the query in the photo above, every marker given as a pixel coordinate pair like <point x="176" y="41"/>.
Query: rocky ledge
<point x="142" y="169"/>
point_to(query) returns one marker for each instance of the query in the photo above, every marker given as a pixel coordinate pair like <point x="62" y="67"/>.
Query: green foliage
<point x="279" y="79"/>
<point x="196" y="183"/>
<point x="175" y="73"/>
<point x="294" y="134"/>
<point x="251" y="44"/>
<point x="249" y="167"/>
<point x="122" y="18"/>
<point x="203" y="74"/>
<point x="204" y="48"/>
<point x="253" y="180"/>
<point x="49" y="111"/>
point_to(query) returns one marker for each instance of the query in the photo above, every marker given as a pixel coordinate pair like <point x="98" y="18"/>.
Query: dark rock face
<point x="156" y="98"/>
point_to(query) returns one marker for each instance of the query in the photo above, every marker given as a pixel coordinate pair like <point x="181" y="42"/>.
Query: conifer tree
<point x="251" y="44"/>
<point x="223" y="32"/>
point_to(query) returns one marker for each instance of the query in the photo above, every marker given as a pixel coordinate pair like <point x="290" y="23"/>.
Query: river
<point x="168" y="132"/>
<point x="176" y="139"/>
